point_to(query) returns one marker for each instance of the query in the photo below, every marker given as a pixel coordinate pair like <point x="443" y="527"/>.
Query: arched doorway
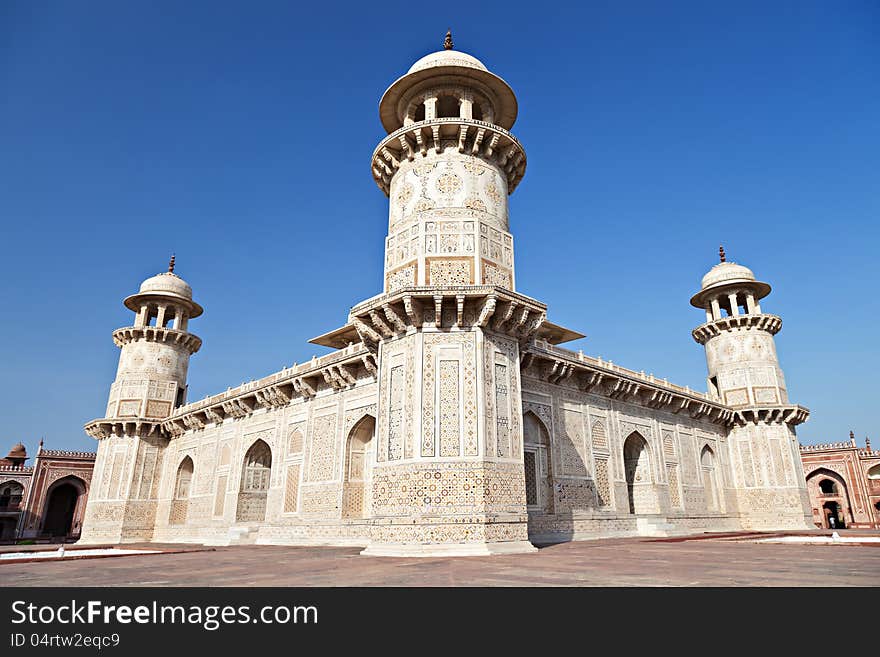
<point x="830" y="498"/>
<point x="833" y="519"/>
<point x="11" y="494"/>
<point x="639" y="484"/>
<point x="7" y="529"/>
<point x="710" y="483"/>
<point x="358" y="468"/>
<point x="60" y="518"/>
<point x="536" y="464"/>
<point x="255" y="477"/>
<point x="827" y="486"/>
<point x="182" y="484"/>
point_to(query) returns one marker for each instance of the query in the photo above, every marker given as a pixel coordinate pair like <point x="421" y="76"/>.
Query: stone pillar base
<point x="447" y="549"/>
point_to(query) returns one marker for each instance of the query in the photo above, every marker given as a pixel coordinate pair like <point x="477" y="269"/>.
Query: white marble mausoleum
<point x="447" y="419"/>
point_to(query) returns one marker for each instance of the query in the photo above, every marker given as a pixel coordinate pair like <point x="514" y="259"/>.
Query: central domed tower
<point x="448" y="472"/>
<point x="448" y="165"/>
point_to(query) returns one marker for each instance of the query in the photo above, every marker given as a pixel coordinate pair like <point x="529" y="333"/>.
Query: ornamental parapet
<point x="704" y="332"/>
<point x="339" y="370"/>
<point x="63" y="453"/>
<point x="472" y="136"/>
<point x="17" y="469"/>
<point x="821" y="447"/>
<point x="791" y="414"/>
<point x="556" y="365"/>
<point x="123" y="336"/>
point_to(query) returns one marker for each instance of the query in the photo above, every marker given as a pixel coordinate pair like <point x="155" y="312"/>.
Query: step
<point x="242" y="535"/>
<point x="656" y="526"/>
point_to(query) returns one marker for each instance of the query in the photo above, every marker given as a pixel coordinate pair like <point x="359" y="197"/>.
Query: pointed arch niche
<point x="536" y="464"/>
<point x="256" y="473"/>
<point x="640" y="487"/>
<point x="359" y="449"/>
<point x="182" y="486"/>
<point x="711" y="483"/>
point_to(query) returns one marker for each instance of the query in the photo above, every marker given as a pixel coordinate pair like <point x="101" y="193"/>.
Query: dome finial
<point x="447" y="42"/>
<point x="721" y="254"/>
<point x="171" y="264"/>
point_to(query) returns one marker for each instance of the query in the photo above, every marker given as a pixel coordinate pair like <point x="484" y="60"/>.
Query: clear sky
<point x="238" y="135"/>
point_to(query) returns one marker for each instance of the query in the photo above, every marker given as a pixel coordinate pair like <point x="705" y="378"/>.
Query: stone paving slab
<point x="609" y="562"/>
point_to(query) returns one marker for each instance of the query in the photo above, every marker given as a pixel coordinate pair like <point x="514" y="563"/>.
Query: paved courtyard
<point x="610" y="562"/>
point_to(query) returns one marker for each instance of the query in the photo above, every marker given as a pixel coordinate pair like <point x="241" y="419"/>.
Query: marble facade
<point x="447" y="420"/>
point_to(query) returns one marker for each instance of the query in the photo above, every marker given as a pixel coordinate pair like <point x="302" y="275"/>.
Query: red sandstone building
<point x="45" y="501"/>
<point x="844" y="484"/>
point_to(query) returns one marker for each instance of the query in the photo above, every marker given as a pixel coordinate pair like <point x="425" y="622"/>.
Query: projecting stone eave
<point x="791" y="414"/>
<point x="123" y="426"/>
<point x="557" y="366"/>
<point x="415" y="308"/>
<point x="556" y="334"/>
<point x="339" y="338"/>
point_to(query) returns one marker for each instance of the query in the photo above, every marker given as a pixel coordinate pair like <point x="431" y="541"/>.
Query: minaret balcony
<point x="167" y="335"/>
<point x="469" y="136"/>
<point x="760" y="321"/>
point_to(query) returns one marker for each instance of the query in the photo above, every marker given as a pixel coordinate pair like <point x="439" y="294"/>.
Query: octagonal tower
<point x="448" y="469"/>
<point x="447" y="166"/>
<point x="150" y="383"/>
<point x="744" y="374"/>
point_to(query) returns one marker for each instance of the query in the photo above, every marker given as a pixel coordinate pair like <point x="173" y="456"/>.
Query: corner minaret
<point x="744" y="374"/>
<point x="150" y="383"/>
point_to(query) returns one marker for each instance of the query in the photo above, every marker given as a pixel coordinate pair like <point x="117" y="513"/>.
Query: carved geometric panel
<point x="529" y="458"/>
<point x="674" y="493"/>
<point x="745" y="452"/>
<point x="129" y="408"/>
<point x="779" y="468"/>
<point x="494" y="275"/>
<point x="291" y="491"/>
<point x="571" y="443"/>
<point x="736" y="397"/>
<point x="457" y="345"/>
<point x="295" y="441"/>
<point x="220" y="495"/>
<point x="502" y="407"/>
<point x="765" y="395"/>
<point x="158" y="408"/>
<point x="322" y="455"/>
<point x="147" y="473"/>
<point x="450" y="429"/>
<point x="450" y="271"/>
<point x="395" y="413"/>
<point x="402" y="277"/>
<point x="600" y="438"/>
<point x="603" y="489"/>
<point x="116" y="483"/>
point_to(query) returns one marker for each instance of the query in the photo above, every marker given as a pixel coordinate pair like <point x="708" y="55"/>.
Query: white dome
<point x="724" y="277"/>
<point x="447" y="58"/>
<point x="166" y="283"/>
<point x="727" y="272"/>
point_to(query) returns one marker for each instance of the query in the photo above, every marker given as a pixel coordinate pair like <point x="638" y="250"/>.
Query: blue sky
<point x="238" y="135"/>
